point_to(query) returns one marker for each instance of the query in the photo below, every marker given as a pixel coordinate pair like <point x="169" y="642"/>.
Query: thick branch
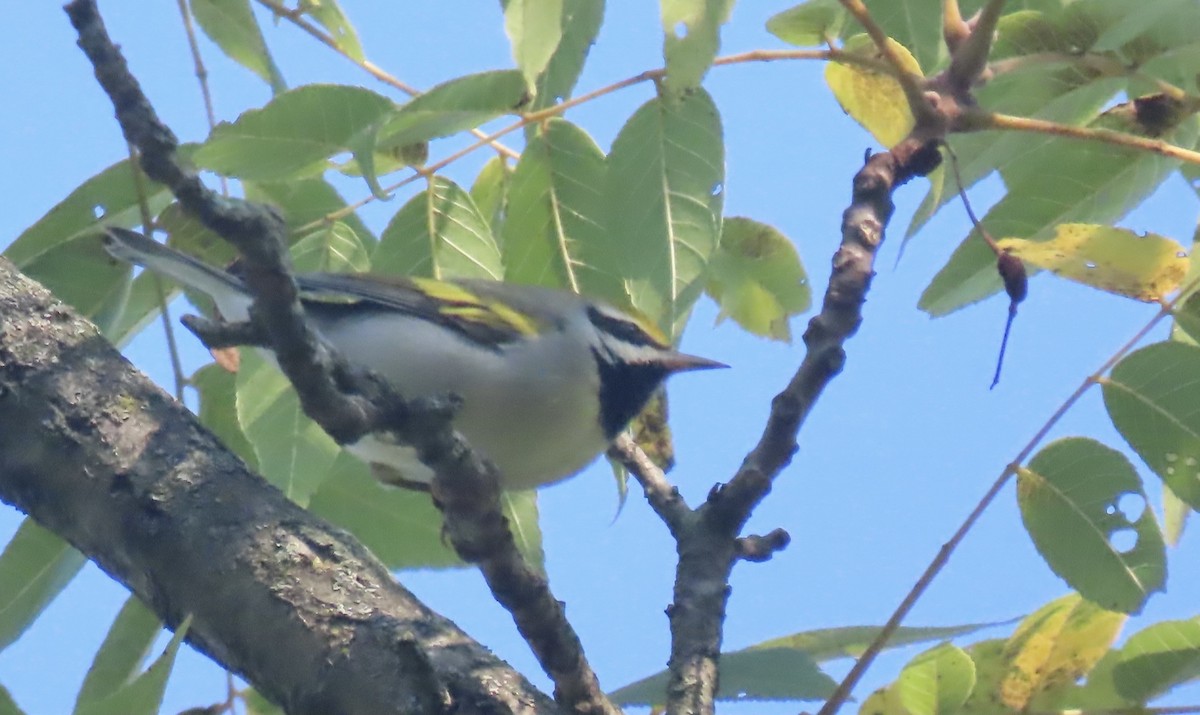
<point x="346" y="404"/>
<point x="98" y="454"/>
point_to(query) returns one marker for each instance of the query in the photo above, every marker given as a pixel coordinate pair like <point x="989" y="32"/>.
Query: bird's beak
<point x="682" y="362"/>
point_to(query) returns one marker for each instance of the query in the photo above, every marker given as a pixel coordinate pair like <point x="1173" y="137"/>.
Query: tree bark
<point x="94" y="451"/>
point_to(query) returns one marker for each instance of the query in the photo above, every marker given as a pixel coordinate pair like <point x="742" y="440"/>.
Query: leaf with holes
<point x="1112" y="259"/>
<point x="664" y="196"/>
<point x="1151" y="397"/>
<point x="936" y="682"/>
<point x="1073" y="498"/>
<point x="875" y="100"/>
<point x="1056" y="181"/>
<point x="232" y="26"/>
<point x="1054" y="647"/>
<point x="1158" y="658"/>
<point x="809" y="24"/>
<point x="554" y="224"/>
<point x="757" y="279"/>
<point x="294" y="134"/>
<point x="691" y="38"/>
<point x="440" y="233"/>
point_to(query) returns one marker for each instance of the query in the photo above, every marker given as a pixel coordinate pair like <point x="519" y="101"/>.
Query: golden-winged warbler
<point x="547" y="378"/>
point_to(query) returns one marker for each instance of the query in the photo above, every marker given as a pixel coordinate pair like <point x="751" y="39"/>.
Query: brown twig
<point x="976" y="120"/>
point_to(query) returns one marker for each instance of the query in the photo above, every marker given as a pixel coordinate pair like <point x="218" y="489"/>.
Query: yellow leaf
<point x="1112" y="259"/>
<point x="1054" y="647"/>
<point x="873" y="99"/>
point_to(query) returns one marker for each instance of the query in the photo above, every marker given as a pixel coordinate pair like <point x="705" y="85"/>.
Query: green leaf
<point x="664" y="194"/>
<point x="1151" y="397"/>
<point x="691" y="38"/>
<point x="936" y="682"/>
<point x="521" y="511"/>
<point x="746" y="675"/>
<point x="1187" y="315"/>
<point x="399" y="526"/>
<point x="293" y="452"/>
<point x="334" y="249"/>
<point x="884" y="701"/>
<point x="8" y="706"/>
<point x="451" y="107"/>
<point x="256" y="704"/>
<point x="490" y="192"/>
<point x="1055" y="646"/>
<point x="991" y="667"/>
<point x="294" y="134"/>
<point x="143" y="695"/>
<point x="63" y="251"/>
<point x="35" y="567"/>
<point x="757" y="279"/>
<point x="1072" y="496"/>
<point x="534" y="27"/>
<point x="1055" y="181"/>
<point x="850" y="641"/>
<point x="304" y="201"/>
<point x="109" y="198"/>
<point x="1158" y="658"/>
<point x="1116" y="260"/>
<point x="554" y="224"/>
<point x="913" y="23"/>
<point x="580" y="24"/>
<point x="809" y="24"/>
<point x="217" y="388"/>
<point x="439" y="233"/>
<point x="120" y="657"/>
<point x="232" y="26"/>
<point x="329" y="15"/>
<point x="83" y="275"/>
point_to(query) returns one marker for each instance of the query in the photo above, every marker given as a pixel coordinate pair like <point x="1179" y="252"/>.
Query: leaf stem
<point x="975" y="120"/>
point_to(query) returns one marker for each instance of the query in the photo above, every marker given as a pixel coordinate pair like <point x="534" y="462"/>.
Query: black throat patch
<point x="624" y="390"/>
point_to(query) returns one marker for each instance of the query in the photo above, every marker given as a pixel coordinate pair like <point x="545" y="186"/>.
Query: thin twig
<point x="201" y="75"/>
<point x="663" y="496"/>
<point x="164" y="313"/>
<point x="842" y="692"/>
<point x="369" y="67"/>
<point x="542" y="115"/>
<point x="975" y="120"/>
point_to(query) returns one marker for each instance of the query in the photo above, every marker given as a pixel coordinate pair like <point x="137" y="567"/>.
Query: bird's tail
<point x="133" y="247"/>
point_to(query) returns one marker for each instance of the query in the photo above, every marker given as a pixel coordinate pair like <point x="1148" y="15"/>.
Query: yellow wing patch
<point x="459" y="303"/>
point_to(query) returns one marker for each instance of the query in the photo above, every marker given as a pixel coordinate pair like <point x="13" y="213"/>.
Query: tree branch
<point x="97" y="453"/>
<point x="347" y="403"/>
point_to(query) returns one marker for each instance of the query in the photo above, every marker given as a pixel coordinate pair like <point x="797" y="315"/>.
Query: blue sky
<point x="897" y="452"/>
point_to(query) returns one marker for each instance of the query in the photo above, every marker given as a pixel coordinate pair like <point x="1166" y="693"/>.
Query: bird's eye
<point x="621" y="328"/>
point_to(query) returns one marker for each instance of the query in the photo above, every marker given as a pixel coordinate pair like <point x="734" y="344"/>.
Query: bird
<point x="546" y="379"/>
